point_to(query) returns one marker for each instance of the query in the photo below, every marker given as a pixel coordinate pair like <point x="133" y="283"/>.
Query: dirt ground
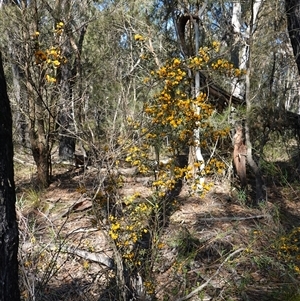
<point x="201" y="232"/>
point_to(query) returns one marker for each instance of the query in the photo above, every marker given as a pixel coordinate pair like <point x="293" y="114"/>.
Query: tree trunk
<point x="41" y="157"/>
<point x="9" y="240"/>
<point x="293" y="22"/>
<point x="239" y="156"/>
<point x="39" y="138"/>
<point x="259" y="190"/>
<point x="67" y="139"/>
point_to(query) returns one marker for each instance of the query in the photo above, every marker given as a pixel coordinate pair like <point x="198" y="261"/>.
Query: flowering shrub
<point x="162" y="139"/>
<point x="51" y="58"/>
<point x="171" y="117"/>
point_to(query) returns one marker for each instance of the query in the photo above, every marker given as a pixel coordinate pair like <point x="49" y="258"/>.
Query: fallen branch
<point x="201" y="287"/>
<point x="96" y="257"/>
<point x="23" y="162"/>
<point x="91" y="256"/>
<point x="230" y="218"/>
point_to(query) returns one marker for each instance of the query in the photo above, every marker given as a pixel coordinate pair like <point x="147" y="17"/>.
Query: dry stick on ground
<point x="201" y="287"/>
<point x="91" y="256"/>
<point x="230" y="218"/>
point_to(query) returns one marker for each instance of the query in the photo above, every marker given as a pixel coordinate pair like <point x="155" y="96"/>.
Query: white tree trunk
<point x="198" y="152"/>
<point x="239" y="52"/>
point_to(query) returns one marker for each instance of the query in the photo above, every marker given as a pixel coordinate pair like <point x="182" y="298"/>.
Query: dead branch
<point x="96" y="257"/>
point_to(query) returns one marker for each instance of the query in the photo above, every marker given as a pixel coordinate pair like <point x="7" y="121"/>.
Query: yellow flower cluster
<point x="138" y="156"/>
<point x="225" y="66"/>
<point x="59" y="28"/>
<point x="204" y="54"/>
<point x="131" y="227"/>
<point x="216" y="45"/>
<point x="204" y="59"/>
<point x="222" y="64"/>
<point x="150" y="287"/>
<point x="289" y="249"/>
<point x="50" y="58"/>
<point x="214" y="166"/>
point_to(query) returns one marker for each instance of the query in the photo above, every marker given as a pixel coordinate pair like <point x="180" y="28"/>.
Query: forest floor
<point x="59" y="232"/>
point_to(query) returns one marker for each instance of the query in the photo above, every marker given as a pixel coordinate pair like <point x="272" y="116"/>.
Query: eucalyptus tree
<point x="270" y="80"/>
<point x="293" y="25"/>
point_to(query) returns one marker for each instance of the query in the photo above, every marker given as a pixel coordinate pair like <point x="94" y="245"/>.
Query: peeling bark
<point x="239" y="156"/>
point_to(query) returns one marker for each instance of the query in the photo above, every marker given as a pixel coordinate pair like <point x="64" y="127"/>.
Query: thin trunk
<point x="260" y="193"/>
<point x="37" y="111"/>
<point x="237" y="50"/>
<point x="38" y="139"/>
<point x="239" y="156"/>
<point x="67" y="130"/>
<point x="70" y="73"/>
<point x="293" y="22"/>
<point x="198" y="152"/>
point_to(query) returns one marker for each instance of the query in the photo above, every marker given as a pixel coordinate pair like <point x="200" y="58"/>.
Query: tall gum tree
<point x="243" y="56"/>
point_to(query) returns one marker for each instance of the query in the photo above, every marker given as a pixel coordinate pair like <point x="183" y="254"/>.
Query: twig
<point x="201" y="287"/>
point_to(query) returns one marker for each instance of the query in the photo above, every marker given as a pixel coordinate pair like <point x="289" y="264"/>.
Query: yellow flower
<point x="115" y="227"/>
<point x="59" y="25"/>
<point x="215" y="43"/>
<point x="146" y="80"/>
<point x="56" y="63"/>
<point x="53" y="51"/>
<point x="139" y="37"/>
<point x="50" y="79"/>
<point x="237" y="72"/>
<point x="176" y="62"/>
<point x="113" y="235"/>
<point x="86" y="265"/>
